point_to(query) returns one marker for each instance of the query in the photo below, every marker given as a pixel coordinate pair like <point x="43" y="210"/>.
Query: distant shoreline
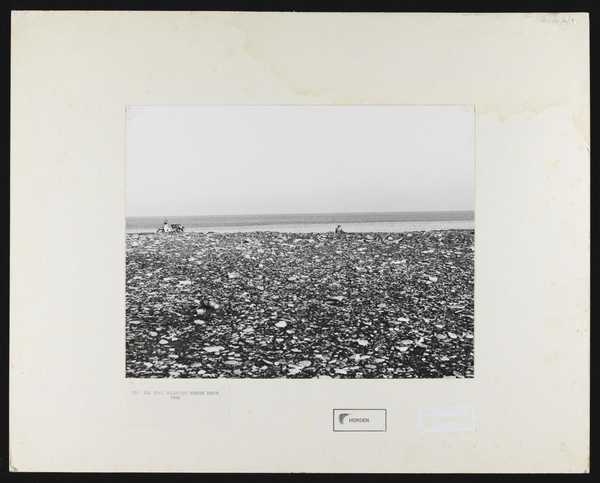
<point x="379" y="222"/>
<point x="398" y="227"/>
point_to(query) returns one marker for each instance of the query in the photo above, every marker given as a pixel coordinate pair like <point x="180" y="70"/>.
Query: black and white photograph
<point x="300" y="242"/>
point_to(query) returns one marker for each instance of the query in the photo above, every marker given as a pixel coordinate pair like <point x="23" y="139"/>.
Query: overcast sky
<point x="214" y="160"/>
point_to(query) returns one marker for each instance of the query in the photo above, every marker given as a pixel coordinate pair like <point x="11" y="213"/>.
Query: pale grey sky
<point x="217" y="160"/>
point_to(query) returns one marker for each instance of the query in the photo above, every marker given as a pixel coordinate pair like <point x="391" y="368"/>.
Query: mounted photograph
<point x="300" y="241"/>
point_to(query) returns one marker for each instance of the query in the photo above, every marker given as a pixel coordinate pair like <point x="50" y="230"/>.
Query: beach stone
<point x="380" y="298"/>
<point x="153" y="334"/>
<point x="199" y="322"/>
<point x="281" y="324"/>
<point x="213" y="349"/>
<point x="163" y="342"/>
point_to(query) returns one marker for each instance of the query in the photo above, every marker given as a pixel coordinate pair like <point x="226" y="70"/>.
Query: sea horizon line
<point x="469" y="213"/>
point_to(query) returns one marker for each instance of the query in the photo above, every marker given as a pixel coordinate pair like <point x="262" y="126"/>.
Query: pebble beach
<point x="300" y="305"/>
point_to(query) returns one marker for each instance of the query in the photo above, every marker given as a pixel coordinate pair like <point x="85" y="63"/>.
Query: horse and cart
<point x="171" y="228"/>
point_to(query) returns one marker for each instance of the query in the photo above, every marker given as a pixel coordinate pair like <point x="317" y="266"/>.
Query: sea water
<point x="304" y="223"/>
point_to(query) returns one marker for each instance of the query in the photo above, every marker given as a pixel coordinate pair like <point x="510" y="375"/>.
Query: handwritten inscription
<point x="563" y="20"/>
<point x="174" y="394"/>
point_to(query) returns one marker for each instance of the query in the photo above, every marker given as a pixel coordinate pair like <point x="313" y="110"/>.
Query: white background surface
<point x="72" y="76"/>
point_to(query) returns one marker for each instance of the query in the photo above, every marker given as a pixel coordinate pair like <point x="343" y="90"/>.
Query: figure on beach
<point x="166" y="226"/>
<point x="338" y="230"/>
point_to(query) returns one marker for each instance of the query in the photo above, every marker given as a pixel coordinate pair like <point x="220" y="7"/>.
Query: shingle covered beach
<point x="271" y="304"/>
